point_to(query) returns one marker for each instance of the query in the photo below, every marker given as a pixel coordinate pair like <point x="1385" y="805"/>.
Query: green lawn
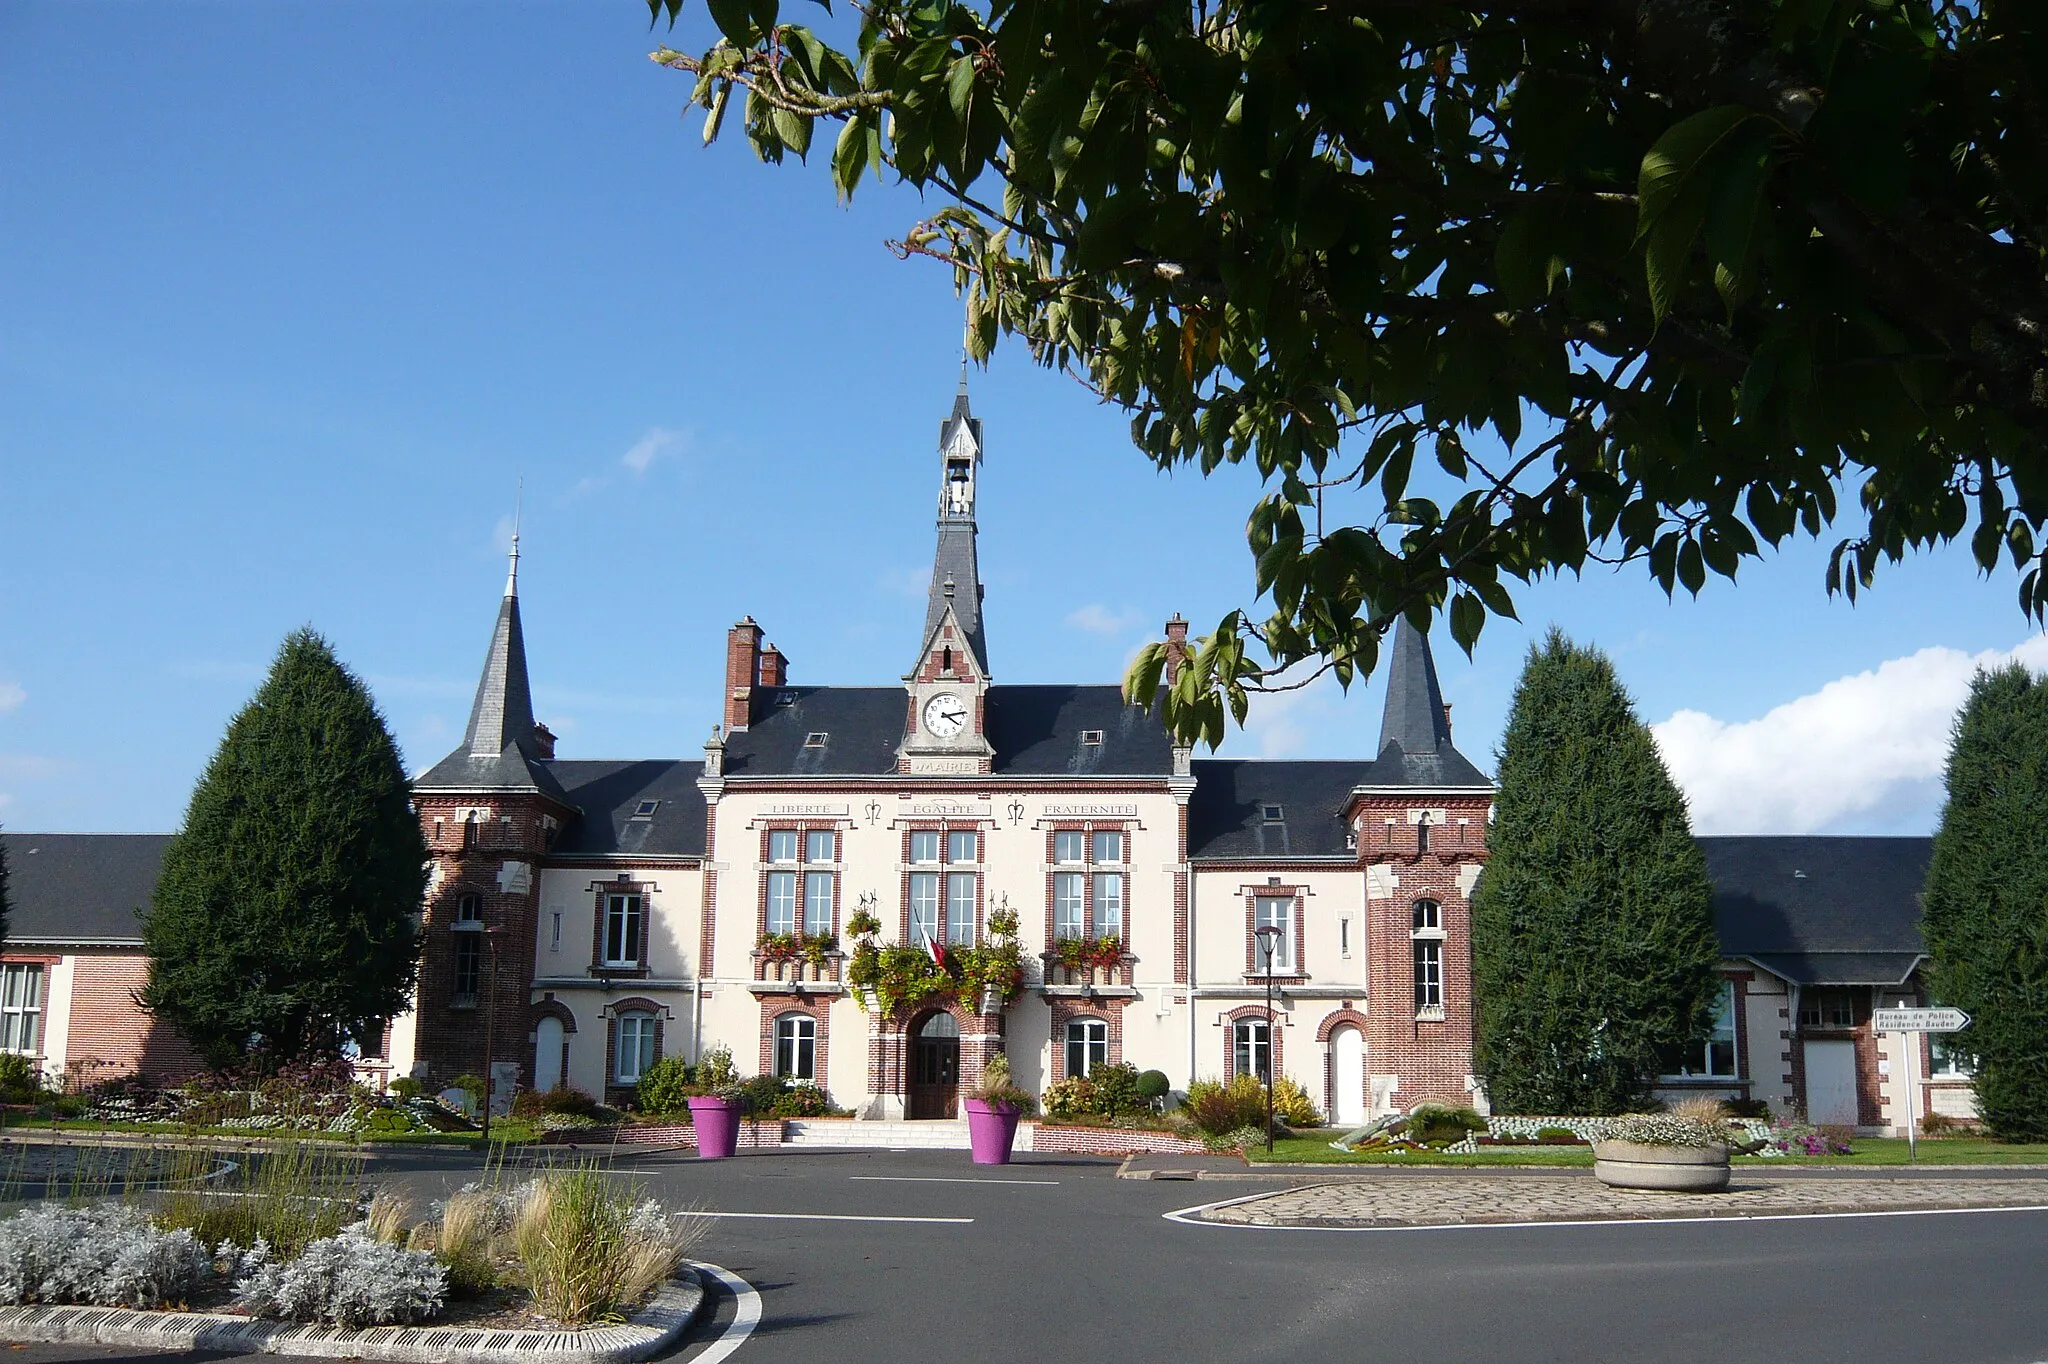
<point x="1315" y="1150"/>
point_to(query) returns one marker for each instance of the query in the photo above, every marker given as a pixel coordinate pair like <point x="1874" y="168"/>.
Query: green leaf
<point x="714" y="117"/>
<point x="735" y="19"/>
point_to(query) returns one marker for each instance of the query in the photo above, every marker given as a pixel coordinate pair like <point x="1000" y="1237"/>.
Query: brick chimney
<point x="774" y="667"/>
<point x="543" y="742"/>
<point x="1176" y="646"/>
<point x="742" y="672"/>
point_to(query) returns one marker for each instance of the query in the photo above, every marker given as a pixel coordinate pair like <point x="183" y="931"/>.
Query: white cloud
<point x="1097" y="619"/>
<point x="658" y="441"/>
<point x="11" y="696"/>
<point x="1864" y="751"/>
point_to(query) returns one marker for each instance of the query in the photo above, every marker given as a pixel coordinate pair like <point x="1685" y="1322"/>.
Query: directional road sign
<point x="1919" y="1020"/>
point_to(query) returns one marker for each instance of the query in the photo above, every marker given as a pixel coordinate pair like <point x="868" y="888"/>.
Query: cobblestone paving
<point x="1414" y="1201"/>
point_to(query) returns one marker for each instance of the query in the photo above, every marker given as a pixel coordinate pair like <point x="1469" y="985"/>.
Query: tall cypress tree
<point x="286" y="919"/>
<point x="6" y="905"/>
<point x="1985" y="912"/>
<point x="1592" y="925"/>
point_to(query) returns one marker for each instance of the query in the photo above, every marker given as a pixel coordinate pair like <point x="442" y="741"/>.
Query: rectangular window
<point x="1344" y="937"/>
<point x="924" y="846"/>
<point x="818" y="845"/>
<point x="1251" y="1052"/>
<point x="1429" y="974"/>
<point x="555" y="934"/>
<point x="636" y="1047"/>
<point x="1069" y="905"/>
<point x="924" y="908"/>
<point x="622" y="930"/>
<point x="1827" y="1008"/>
<point x="781" y="902"/>
<point x="960" y="846"/>
<point x="1713" y="1057"/>
<point x="21" y="1007"/>
<point x="796" y="1047"/>
<point x="1951" y="1059"/>
<point x="782" y="845"/>
<point x="1273" y="911"/>
<point x="960" y="908"/>
<point x="1109" y="847"/>
<point x="1087" y="1046"/>
<point x="469" y="961"/>
<point x="1070" y="847"/>
<point x="1109" y="904"/>
<point x="817" y="903"/>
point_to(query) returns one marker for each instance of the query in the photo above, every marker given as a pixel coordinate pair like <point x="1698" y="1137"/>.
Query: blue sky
<point x="294" y="296"/>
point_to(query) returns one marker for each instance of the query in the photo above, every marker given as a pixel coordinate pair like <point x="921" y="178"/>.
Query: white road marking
<point x="821" y="1217"/>
<point x="1186" y="1217"/>
<point x="942" y="1179"/>
<point x="746" y="1314"/>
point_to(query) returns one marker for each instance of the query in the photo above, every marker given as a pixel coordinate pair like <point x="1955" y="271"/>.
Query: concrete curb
<point x="649" y="1331"/>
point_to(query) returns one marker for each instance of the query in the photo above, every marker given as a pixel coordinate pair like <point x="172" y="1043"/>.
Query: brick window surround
<point x="981" y="830"/>
<point x="836" y="867"/>
<point x="1065" y="1010"/>
<point x="601" y="893"/>
<point x="1254" y="962"/>
<point x="1088" y="869"/>
<point x="611" y="1014"/>
<point x="777" y="1007"/>
<point x="1245" y="1012"/>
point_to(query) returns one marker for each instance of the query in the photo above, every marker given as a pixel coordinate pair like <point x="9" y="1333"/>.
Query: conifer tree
<point x="1592" y="924"/>
<point x="6" y="905"/>
<point x="286" y="918"/>
<point x="1985" y="912"/>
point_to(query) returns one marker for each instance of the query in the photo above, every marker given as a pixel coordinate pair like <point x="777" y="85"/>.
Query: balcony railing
<point x="799" y="970"/>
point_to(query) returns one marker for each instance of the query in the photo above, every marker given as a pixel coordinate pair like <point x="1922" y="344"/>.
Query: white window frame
<point x="1105" y="884"/>
<point x="1426" y="957"/>
<point x="645" y="1051"/>
<point x="625" y="927"/>
<point x="1091" y="1037"/>
<point x="796" y="1047"/>
<point x="1279" y="910"/>
<point x="800" y="896"/>
<point x="22" y="989"/>
<point x="1069" y="905"/>
<point x="1251" y="1048"/>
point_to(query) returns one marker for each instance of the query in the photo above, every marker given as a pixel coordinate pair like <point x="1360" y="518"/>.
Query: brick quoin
<point x="1431" y="1057"/>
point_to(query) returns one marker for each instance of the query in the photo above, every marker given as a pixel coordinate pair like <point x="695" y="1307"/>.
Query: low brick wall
<point x="753" y="1135"/>
<point x="1110" y="1141"/>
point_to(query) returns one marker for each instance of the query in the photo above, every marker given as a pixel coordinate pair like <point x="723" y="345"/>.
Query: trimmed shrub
<point x="1153" y="1085"/>
<point x="405" y="1087"/>
<point x="665" y="1086"/>
<point x="106" y="1256"/>
<point x="348" y="1280"/>
<point x="802" y="1101"/>
<point x="1073" y="1097"/>
<point x="1116" y="1088"/>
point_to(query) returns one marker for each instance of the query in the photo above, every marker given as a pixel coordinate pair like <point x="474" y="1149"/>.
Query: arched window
<point x="1087" y="1045"/>
<point x="469" y="912"/>
<point x="1251" y="1049"/>
<point x="796" y="1047"/>
<point x="1428" y="942"/>
<point x="635" y="1049"/>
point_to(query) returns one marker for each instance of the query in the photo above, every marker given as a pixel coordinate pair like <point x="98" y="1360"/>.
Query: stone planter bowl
<point x="1668" y="1169"/>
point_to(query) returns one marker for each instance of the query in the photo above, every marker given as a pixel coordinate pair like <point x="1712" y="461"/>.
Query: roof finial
<point x="518" y="508"/>
<point x="963" y="372"/>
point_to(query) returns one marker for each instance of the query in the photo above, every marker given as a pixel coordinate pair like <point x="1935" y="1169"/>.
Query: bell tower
<point x="945" y="732"/>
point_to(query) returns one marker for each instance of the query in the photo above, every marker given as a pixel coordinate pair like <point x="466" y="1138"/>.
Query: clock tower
<point x="945" y="732"/>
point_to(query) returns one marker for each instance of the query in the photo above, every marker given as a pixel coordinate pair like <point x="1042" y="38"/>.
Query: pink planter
<point x="718" y="1126"/>
<point x="991" y="1129"/>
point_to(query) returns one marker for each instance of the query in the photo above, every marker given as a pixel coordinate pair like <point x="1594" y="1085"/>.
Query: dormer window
<point x="816" y="738"/>
<point x="1092" y="738"/>
<point x="1272" y="814"/>
<point x="645" y="809"/>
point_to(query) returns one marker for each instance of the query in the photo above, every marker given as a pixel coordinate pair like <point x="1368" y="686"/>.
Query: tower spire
<point x="518" y="507"/>
<point x="1415" y="733"/>
<point x="956" y="572"/>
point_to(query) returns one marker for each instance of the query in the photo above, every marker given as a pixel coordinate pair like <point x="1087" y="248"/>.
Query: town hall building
<point x="586" y="917"/>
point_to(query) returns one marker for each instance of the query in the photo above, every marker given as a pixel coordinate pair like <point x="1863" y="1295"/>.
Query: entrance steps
<point x="936" y="1135"/>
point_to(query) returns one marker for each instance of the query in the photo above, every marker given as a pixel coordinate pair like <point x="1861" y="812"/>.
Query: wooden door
<point x="934" y="1069"/>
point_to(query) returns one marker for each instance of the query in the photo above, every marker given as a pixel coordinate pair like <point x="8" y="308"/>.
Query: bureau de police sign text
<point x="1918" y="1020"/>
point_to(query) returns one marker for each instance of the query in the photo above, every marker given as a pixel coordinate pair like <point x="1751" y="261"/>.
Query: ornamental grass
<point x="592" y="1248"/>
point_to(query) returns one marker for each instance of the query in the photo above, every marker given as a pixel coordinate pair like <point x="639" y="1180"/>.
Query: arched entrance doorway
<point x="934" y="1068"/>
<point x="1347" y="1077"/>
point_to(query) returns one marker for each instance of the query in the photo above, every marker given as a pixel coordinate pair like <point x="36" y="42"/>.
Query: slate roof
<point x="955" y="562"/>
<point x="1415" y="736"/>
<point x="1821" y="910"/>
<point x="1227" y="813"/>
<point x="498" y="751"/>
<point x="610" y="794"/>
<point x="1035" y="730"/>
<point x="80" y="888"/>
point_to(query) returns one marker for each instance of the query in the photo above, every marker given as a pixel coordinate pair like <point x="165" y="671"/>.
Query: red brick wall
<point x="109" y="1027"/>
<point x="1431" y="1057"/>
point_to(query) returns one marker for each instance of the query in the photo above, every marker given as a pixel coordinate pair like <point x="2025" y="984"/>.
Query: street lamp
<point x="1269" y="941"/>
<point x="489" y="936"/>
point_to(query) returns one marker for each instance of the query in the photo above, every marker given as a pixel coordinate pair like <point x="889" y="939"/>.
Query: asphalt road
<point x="1056" y="1259"/>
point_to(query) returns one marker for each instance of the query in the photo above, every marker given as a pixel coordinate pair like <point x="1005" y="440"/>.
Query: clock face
<point x="945" y="715"/>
